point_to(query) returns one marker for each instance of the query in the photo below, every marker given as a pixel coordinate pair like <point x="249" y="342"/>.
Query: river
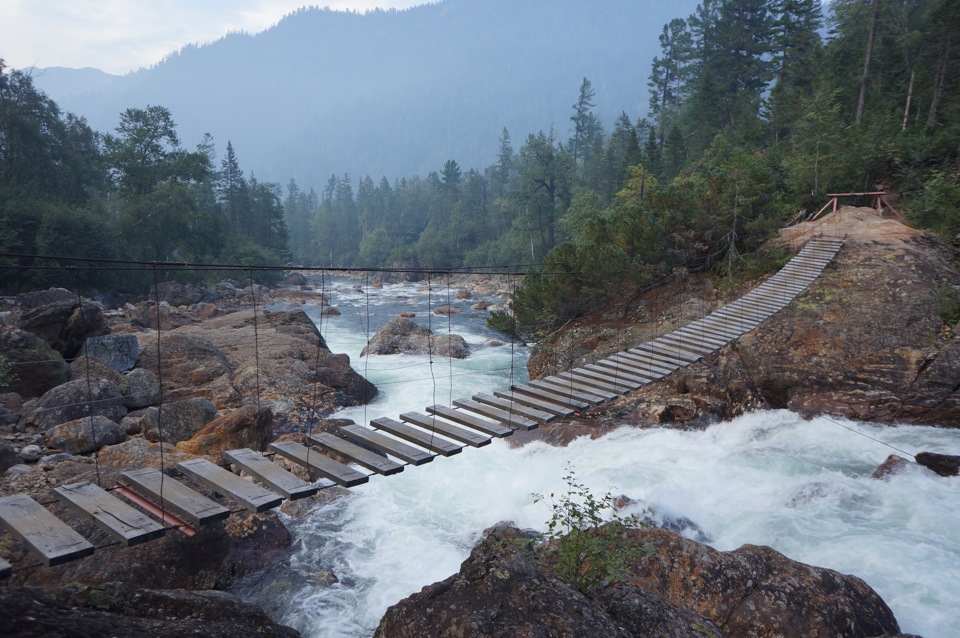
<point x="769" y="478"/>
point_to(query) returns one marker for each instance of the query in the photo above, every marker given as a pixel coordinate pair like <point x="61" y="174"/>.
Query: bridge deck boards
<point x="387" y="445"/>
<point x="651" y="365"/>
<point x="51" y="539"/>
<point x="700" y="336"/>
<point x="193" y="507"/>
<point x="426" y="440"/>
<point x="253" y="497"/>
<point x="509" y="419"/>
<point x="619" y="365"/>
<point x="717" y="331"/>
<point x="516" y="408"/>
<point x="585" y="391"/>
<point x="490" y="428"/>
<point x="128" y="525"/>
<point x="594" y="381"/>
<point x="681" y="357"/>
<point x="434" y="423"/>
<point x="317" y="461"/>
<point x="618" y="374"/>
<point x="536" y="400"/>
<point x="684" y="344"/>
<point x="360" y="455"/>
<point x="270" y="474"/>
<point x="565" y="398"/>
<point x="653" y="360"/>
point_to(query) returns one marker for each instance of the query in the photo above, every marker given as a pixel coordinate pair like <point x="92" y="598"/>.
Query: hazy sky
<point x="118" y="36"/>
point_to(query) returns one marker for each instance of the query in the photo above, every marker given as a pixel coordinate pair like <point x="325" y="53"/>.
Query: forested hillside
<point x="752" y="117"/>
<point x="391" y="93"/>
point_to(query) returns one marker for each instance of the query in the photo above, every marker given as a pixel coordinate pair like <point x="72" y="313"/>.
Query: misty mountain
<point x="392" y="93"/>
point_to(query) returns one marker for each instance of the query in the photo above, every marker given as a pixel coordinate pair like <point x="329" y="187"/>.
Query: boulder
<point x="294" y="279"/>
<point x="127" y="610"/>
<point x="65" y="325"/>
<point x="138" y="452"/>
<point x="31" y="453"/>
<point x="167" y="318"/>
<point x="143" y="389"/>
<point x="331" y="311"/>
<point x="36" y="366"/>
<point x="176" y="294"/>
<point x="120" y="351"/>
<point x="8" y="416"/>
<point x="191" y="363"/>
<point x="243" y="428"/>
<point x="402" y="336"/>
<point x="462" y="294"/>
<point x="942" y="464"/>
<point x="74" y="400"/>
<point x="8" y="457"/>
<point x="178" y="421"/>
<point x="446" y="310"/>
<point x="480" y="305"/>
<point x="893" y="465"/>
<point x="85" y="435"/>
<point x="408" y="315"/>
<point x="83" y="367"/>
<point x="501" y="592"/>
<point x="37" y="298"/>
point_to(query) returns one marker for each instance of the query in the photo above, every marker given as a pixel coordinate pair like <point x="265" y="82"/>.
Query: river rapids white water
<point x="768" y="478"/>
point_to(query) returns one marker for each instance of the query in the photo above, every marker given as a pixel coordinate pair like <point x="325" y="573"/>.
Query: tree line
<point x="67" y="191"/>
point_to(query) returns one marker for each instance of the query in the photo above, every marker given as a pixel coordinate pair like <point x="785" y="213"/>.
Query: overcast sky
<point x="118" y="36"/>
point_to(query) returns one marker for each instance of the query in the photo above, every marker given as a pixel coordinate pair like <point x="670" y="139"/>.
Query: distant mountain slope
<point x="394" y="93"/>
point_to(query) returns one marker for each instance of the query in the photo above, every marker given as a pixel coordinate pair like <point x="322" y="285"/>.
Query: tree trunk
<point x="861" y="103"/>
<point x="938" y="88"/>
<point x="906" y="109"/>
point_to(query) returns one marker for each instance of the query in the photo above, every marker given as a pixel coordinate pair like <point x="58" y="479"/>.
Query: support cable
<point x="86" y="359"/>
<point x="156" y="299"/>
<point x="256" y="340"/>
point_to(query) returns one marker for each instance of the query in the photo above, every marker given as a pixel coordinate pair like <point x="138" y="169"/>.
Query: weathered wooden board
<point x="317" y="461"/>
<point x="516" y="408"/>
<point x="126" y="524"/>
<point x="716" y="330"/>
<point x="427" y="440"/>
<point x="270" y="474"/>
<point x="620" y="364"/>
<point x="213" y="477"/>
<point x="654" y="360"/>
<point x="51" y="539"/>
<point x="618" y="373"/>
<point x="654" y="368"/>
<point x="433" y="423"/>
<point x="673" y="354"/>
<point x="490" y="428"/>
<point x="360" y="455"/>
<point x="554" y="396"/>
<point x="593" y="382"/>
<point x="684" y="344"/>
<point x="569" y="385"/>
<point x="699" y="337"/>
<point x="193" y="507"/>
<point x="509" y="419"/>
<point x="535" y="401"/>
<point x="387" y="445"/>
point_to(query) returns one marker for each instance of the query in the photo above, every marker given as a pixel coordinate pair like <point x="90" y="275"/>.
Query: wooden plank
<point x="684" y="344"/>
<point x="740" y="313"/>
<point x="532" y="399"/>
<point x="553" y="395"/>
<point x="717" y="330"/>
<point x="51" y="539"/>
<point x="593" y="382"/>
<point x="572" y="386"/>
<point x="490" y="428"/>
<point x="426" y="440"/>
<point x="270" y="474"/>
<point x="317" y="461"/>
<point x="630" y="367"/>
<point x="387" y="445"/>
<point x="509" y="419"/>
<point x="699" y="337"/>
<point x="247" y="493"/>
<point x="516" y="408"/>
<point x="618" y="373"/>
<point x="621" y="384"/>
<point x="434" y="423"/>
<point x="683" y="358"/>
<point x="666" y="363"/>
<point x="360" y="455"/>
<point x="5" y="569"/>
<point x="193" y="507"/>
<point x="126" y="524"/>
<point x="652" y="365"/>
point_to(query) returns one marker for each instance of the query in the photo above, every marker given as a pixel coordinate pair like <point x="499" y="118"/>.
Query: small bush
<point x="585" y="547"/>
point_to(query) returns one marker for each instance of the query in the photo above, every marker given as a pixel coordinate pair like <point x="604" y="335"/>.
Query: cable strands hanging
<point x="256" y="340"/>
<point x="86" y="360"/>
<point x="316" y="373"/>
<point x="156" y="299"/>
<point x="433" y="378"/>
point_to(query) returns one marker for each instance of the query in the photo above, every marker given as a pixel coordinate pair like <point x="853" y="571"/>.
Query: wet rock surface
<point x="400" y="335"/>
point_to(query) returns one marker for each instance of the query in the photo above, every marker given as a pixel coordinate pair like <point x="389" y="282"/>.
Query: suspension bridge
<point x="146" y="502"/>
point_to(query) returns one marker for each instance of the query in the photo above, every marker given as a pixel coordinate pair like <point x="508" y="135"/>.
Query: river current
<point x="769" y="478"/>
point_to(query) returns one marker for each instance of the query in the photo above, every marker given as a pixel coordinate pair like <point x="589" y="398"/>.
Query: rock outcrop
<point x="403" y="336"/>
<point x="678" y="588"/>
<point x="35" y="366"/>
<point x="74" y="400"/>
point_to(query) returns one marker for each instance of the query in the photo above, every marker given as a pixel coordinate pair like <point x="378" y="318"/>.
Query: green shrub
<point x="585" y="537"/>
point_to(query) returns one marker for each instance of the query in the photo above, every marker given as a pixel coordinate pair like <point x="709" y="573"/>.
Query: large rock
<point x="243" y="428"/>
<point x="36" y="366"/>
<point x="176" y="294"/>
<point x="144" y="389"/>
<point x="942" y="464"/>
<point x="119" y="351"/>
<point x="680" y="588"/>
<point x="132" y="612"/>
<point x="501" y="592"/>
<point x="37" y="298"/>
<point x="65" y="325"/>
<point x="403" y="336"/>
<point x="93" y="368"/>
<point x="85" y="435"/>
<point x="137" y="452"/>
<point x="178" y="421"/>
<point x="8" y="457"/>
<point x="192" y="366"/>
<point x="74" y="400"/>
